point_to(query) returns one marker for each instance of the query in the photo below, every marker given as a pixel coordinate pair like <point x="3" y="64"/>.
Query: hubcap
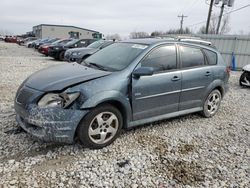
<point x="213" y="103"/>
<point x="103" y="127"/>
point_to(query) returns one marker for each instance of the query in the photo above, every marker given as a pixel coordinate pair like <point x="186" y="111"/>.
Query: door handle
<point x="208" y="73"/>
<point x="175" y="78"/>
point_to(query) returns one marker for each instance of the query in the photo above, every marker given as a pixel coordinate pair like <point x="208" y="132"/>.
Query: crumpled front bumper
<point x="49" y="124"/>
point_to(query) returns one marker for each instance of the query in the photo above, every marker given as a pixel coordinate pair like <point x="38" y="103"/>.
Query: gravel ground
<point x="188" y="151"/>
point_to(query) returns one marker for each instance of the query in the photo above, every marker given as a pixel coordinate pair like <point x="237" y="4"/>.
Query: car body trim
<point x="157" y="95"/>
<point x="164" y="116"/>
<point x="193" y="88"/>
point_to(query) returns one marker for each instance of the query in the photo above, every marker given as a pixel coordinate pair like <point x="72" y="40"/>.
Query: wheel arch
<point x="114" y="98"/>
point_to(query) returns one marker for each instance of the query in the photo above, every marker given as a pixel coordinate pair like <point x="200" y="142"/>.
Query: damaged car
<point x="245" y="76"/>
<point x="124" y="85"/>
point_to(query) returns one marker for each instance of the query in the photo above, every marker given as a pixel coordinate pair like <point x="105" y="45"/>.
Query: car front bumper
<point x="49" y="124"/>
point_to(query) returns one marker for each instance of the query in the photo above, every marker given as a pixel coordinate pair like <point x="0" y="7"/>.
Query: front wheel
<point x="212" y="104"/>
<point x="100" y="127"/>
<point x="61" y="56"/>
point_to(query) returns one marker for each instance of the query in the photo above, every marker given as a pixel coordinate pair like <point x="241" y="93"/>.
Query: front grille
<point x="24" y="95"/>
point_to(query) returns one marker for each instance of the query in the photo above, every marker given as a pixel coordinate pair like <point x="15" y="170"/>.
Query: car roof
<point x="152" y="41"/>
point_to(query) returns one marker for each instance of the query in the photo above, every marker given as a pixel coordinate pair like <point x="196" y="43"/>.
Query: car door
<point x="196" y="76"/>
<point x="159" y="93"/>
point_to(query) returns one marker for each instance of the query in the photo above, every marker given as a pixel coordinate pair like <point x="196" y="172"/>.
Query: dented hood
<point x="61" y="76"/>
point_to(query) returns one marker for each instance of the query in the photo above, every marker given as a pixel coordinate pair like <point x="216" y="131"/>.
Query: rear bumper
<point x="49" y="124"/>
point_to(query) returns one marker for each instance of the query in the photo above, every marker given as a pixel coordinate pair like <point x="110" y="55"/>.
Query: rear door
<point x="159" y="93"/>
<point x="196" y="76"/>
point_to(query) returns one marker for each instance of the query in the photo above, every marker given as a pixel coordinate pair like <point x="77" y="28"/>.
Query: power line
<point x="223" y="15"/>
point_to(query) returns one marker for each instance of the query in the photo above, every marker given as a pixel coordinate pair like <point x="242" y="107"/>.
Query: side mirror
<point x="143" y="71"/>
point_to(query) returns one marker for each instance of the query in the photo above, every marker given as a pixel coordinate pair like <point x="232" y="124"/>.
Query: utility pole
<point x="209" y="15"/>
<point x="221" y="13"/>
<point x="182" y="18"/>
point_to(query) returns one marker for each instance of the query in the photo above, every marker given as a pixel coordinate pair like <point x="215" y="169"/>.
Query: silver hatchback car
<point x="126" y="84"/>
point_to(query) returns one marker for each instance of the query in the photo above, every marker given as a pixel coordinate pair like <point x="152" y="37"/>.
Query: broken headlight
<point x="62" y="100"/>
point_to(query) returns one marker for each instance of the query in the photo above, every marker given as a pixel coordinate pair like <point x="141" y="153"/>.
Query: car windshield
<point x="96" y="44"/>
<point x="115" y="57"/>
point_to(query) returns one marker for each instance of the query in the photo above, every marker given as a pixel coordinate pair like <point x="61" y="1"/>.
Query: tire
<point x="242" y="78"/>
<point x="211" y="104"/>
<point x="105" y="120"/>
<point x="61" y="56"/>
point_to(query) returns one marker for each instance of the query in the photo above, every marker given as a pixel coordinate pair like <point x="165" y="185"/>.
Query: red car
<point x="11" y="39"/>
<point x="44" y="49"/>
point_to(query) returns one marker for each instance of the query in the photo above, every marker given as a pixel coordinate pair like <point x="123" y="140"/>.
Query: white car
<point x="245" y="76"/>
<point x="2" y="37"/>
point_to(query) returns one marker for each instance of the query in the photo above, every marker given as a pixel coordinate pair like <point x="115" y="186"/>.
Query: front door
<point x="159" y="93"/>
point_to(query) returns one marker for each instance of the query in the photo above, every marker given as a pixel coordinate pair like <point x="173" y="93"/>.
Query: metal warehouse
<point x="64" y="31"/>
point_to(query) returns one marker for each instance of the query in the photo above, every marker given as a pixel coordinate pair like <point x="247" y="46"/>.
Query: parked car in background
<point x="44" y="49"/>
<point x="79" y="54"/>
<point x="25" y="40"/>
<point x="57" y="52"/>
<point x="2" y="37"/>
<point x="31" y="44"/>
<point x="126" y="84"/>
<point x="12" y="39"/>
<point x="245" y="76"/>
<point x="38" y="43"/>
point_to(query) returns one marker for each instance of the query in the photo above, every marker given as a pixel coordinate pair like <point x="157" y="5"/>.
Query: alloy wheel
<point x="103" y="127"/>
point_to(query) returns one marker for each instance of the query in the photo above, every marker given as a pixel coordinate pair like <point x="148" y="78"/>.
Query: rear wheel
<point x="212" y="104"/>
<point x="100" y="127"/>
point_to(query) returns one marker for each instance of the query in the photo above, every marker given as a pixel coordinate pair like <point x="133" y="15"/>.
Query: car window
<point x="211" y="57"/>
<point x="161" y="59"/>
<point x="191" y="57"/>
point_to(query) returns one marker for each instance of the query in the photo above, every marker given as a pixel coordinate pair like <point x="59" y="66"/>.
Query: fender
<point x="212" y="86"/>
<point x="107" y="96"/>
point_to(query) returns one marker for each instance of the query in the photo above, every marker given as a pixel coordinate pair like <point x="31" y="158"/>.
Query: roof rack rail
<point x="197" y="41"/>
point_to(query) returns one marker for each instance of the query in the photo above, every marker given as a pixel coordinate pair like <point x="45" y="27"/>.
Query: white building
<point x="64" y="31"/>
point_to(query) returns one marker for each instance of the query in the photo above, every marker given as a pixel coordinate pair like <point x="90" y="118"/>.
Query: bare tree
<point x="5" y="32"/>
<point x="157" y="33"/>
<point x="113" y="36"/>
<point x="136" y="35"/>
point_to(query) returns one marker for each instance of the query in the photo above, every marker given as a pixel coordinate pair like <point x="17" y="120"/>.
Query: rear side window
<point x="211" y="57"/>
<point x="161" y="59"/>
<point x="191" y="57"/>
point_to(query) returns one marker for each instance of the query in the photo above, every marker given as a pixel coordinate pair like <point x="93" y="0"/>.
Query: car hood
<point x="61" y="76"/>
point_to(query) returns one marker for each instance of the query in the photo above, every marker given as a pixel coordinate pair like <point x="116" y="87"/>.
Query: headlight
<point x="56" y="48"/>
<point x="76" y="53"/>
<point x="62" y="100"/>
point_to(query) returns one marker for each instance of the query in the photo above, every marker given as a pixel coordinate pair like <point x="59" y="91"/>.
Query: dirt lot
<point x="189" y="151"/>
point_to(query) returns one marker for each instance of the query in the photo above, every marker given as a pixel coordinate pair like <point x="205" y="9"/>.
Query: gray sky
<point x="114" y="16"/>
